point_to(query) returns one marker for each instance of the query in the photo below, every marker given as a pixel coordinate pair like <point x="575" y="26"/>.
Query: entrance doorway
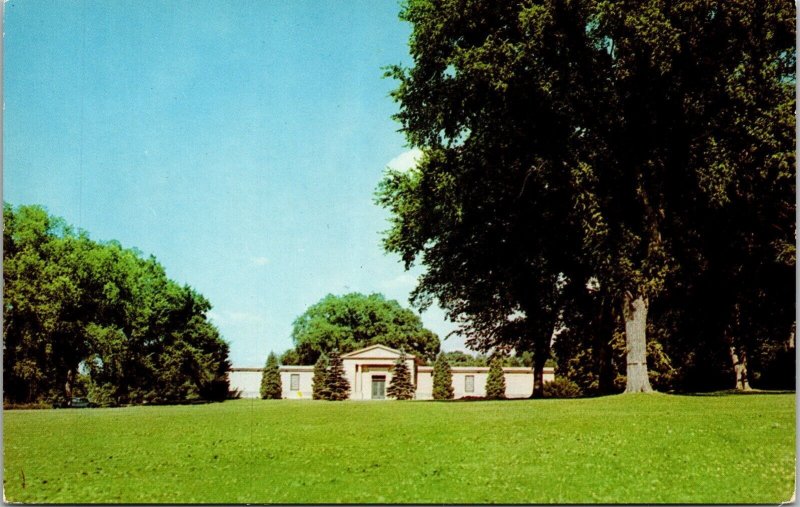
<point x="378" y="387"/>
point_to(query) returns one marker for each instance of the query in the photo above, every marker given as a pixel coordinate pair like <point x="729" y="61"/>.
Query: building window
<point x="469" y="384"/>
<point x="294" y="382"/>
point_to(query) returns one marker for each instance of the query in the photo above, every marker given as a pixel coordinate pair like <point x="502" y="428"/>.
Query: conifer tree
<point x="401" y="388"/>
<point x="496" y="381"/>
<point x="442" y="379"/>
<point x="337" y="385"/>
<point x="319" y="386"/>
<point x="271" y="387"/>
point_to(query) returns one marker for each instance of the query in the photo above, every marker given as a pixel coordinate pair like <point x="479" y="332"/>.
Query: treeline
<point x="459" y="358"/>
<point x="87" y="318"/>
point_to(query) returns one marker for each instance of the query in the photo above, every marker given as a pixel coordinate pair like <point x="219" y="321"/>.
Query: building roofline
<point x="483" y="369"/>
<point x="350" y="355"/>
<point x="292" y="367"/>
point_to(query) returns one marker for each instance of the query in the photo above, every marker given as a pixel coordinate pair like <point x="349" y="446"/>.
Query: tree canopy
<point x="352" y="321"/>
<point x="83" y="317"/>
<point x="599" y="160"/>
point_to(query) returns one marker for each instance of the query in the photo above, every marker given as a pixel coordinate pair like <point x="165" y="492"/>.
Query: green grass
<point x="634" y="448"/>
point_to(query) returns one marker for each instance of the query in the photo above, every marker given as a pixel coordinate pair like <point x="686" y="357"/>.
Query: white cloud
<point x="260" y="261"/>
<point x="402" y="281"/>
<point x="223" y="317"/>
<point x="406" y="160"/>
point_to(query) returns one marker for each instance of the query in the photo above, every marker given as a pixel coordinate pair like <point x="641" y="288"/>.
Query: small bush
<point x="34" y="405"/>
<point x="561" y="388"/>
<point x="102" y="395"/>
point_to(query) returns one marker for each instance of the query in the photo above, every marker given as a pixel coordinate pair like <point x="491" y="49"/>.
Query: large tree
<point x="93" y="317"/>
<point x="352" y="321"/>
<point x="570" y="142"/>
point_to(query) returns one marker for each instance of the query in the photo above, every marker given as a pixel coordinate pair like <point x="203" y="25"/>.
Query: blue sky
<point x="240" y="142"/>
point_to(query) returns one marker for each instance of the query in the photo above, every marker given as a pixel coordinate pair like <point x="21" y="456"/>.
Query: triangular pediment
<point x="375" y="352"/>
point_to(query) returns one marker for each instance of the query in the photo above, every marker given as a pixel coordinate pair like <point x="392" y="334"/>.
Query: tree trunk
<point x="635" y="314"/>
<point x="68" y="386"/>
<point x="739" y="361"/>
<point x="538" y="378"/>
<point x="604" y="330"/>
<point x="541" y="351"/>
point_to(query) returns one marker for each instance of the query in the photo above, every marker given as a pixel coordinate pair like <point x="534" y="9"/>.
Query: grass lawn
<point x="634" y="448"/>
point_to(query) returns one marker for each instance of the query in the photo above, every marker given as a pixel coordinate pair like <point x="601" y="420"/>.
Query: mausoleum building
<point x="369" y="371"/>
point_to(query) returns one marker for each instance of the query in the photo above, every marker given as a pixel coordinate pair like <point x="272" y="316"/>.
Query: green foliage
<point x="337" y="386"/>
<point x="442" y="379"/>
<point x="74" y="307"/>
<point x="353" y="321"/>
<point x="646" y="147"/>
<point x="290" y="358"/>
<point x="495" y="381"/>
<point x="401" y="387"/>
<point x="319" y="383"/>
<point x="271" y="388"/>
<point x="459" y="358"/>
<point x="561" y="388"/>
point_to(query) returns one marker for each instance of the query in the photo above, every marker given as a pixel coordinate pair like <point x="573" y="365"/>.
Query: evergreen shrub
<point x="561" y="388"/>
<point x="401" y="387"/>
<point x="271" y="388"/>
<point x="496" y="381"/>
<point x="442" y="379"/>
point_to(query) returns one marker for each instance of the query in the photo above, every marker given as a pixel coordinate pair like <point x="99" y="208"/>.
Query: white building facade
<point x="369" y="372"/>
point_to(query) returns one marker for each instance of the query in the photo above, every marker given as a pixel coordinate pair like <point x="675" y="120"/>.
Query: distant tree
<point x="442" y="379"/>
<point x="353" y="321"/>
<point x="401" y="387"/>
<point x="337" y="385"/>
<point x="495" y="382"/>
<point x="459" y="358"/>
<point x="290" y="358"/>
<point x="271" y="388"/>
<point x="319" y="384"/>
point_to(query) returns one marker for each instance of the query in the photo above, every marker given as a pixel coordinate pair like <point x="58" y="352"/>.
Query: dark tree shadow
<point x="735" y="392"/>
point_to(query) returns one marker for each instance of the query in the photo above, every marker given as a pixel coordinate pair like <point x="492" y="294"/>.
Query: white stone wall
<point x="306" y="378"/>
<point x="518" y="385"/>
<point x="359" y="372"/>
<point x="460" y="374"/>
<point x="424" y="383"/>
<point x="246" y="380"/>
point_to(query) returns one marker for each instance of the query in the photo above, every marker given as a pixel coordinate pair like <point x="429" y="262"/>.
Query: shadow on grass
<point x="470" y="399"/>
<point x="735" y="392"/>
